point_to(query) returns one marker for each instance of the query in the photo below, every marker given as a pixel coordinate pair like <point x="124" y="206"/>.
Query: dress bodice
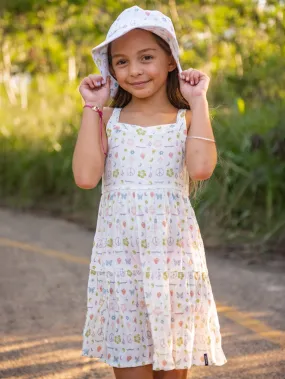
<point x="146" y="157"/>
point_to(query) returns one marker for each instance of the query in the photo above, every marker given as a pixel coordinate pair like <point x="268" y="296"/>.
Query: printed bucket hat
<point x="129" y="19"/>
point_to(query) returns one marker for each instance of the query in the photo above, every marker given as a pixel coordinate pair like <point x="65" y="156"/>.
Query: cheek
<point x="121" y="74"/>
<point x="153" y="71"/>
<point x="158" y="71"/>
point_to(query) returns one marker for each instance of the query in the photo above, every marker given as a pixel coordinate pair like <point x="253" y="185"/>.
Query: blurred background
<point x="45" y="51"/>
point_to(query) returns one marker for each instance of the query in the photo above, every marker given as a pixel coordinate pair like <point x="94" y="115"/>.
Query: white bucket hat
<point x="129" y="19"/>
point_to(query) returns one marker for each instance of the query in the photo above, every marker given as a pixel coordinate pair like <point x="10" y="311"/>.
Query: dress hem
<point x="151" y="362"/>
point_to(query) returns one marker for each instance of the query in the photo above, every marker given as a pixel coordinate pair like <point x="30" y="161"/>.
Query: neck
<point x="152" y="104"/>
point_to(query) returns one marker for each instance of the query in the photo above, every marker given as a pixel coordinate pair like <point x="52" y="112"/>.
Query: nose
<point x="135" y="69"/>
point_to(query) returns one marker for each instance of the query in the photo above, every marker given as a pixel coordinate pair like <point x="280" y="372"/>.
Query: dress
<point x="149" y="297"/>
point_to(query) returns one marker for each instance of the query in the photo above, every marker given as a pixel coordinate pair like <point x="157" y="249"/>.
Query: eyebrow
<point x="140" y="51"/>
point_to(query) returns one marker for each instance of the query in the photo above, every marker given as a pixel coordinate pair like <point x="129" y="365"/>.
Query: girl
<point x="151" y="311"/>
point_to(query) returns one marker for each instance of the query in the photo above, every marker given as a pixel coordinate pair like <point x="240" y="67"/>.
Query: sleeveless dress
<point x="149" y="297"/>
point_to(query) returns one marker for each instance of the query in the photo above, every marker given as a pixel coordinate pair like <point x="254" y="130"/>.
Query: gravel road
<point x="43" y="279"/>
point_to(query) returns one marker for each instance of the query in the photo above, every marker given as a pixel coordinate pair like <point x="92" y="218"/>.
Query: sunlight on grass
<point x="242" y="201"/>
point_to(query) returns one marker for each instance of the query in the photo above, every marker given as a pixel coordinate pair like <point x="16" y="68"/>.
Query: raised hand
<point x="193" y="83"/>
<point x="95" y="90"/>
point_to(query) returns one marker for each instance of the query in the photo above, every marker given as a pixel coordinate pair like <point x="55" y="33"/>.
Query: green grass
<point x="245" y="196"/>
<point x="241" y="203"/>
<point x="36" y="153"/>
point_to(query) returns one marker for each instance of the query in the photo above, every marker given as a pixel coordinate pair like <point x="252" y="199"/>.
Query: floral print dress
<point x="149" y="297"/>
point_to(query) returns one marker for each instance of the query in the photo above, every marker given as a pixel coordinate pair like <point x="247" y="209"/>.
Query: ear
<point x="172" y="64"/>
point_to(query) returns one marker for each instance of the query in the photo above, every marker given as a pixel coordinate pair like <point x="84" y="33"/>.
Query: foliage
<point x="240" y="44"/>
<point x="245" y="195"/>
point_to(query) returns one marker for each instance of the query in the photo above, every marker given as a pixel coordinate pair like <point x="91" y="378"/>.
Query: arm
<point x="201" y="155"/>
<point x="88" y="158"/>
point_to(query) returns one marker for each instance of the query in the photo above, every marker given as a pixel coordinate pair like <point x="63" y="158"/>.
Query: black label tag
<point x="206" y="359"/>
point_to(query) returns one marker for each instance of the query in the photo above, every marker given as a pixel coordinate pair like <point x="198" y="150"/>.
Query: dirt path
<point x="43" y="280"/>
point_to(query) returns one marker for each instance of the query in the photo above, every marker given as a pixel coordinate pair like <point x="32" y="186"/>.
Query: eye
<point x="148" y="57"/>
<point x="120" y="62"/>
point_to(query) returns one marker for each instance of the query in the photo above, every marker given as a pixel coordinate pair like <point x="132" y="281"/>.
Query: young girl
<point x="151" y="311"/>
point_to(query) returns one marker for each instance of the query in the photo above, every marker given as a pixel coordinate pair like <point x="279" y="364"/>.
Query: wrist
<point x="94" y="103"/>
<point x="198" y="100"/>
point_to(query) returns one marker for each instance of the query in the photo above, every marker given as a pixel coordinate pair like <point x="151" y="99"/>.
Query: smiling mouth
<point x="139" y="83"/>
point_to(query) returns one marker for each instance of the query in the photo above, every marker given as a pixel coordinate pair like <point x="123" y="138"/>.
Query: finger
<point x="96" y="77"/>
<point x="191" y="72"/>
<point x="97" y="81"/>
<point x="90" y="82"/>
<point x="196" y="77"/>
<point x="187" y="75"/>
<point x="106" y="82"/>
<point x="191" y="77"/>
<point x="183" y="74"/>
<point x="201" y="76"/>
<point x="85" y="82"/>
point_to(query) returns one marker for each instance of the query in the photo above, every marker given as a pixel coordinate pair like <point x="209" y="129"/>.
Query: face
<point x="139" y="64"/>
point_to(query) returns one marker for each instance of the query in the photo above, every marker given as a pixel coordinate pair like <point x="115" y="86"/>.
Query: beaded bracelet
<point x="204" y="138"/>
<point x="98" y="110"/>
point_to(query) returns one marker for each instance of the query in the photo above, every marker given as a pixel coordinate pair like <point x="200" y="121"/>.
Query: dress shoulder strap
<point x="180" y="114"/>
<point x="115" y="115"/>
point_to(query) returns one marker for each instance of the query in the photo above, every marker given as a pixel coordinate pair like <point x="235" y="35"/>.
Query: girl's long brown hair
<point x="122" y="97"/>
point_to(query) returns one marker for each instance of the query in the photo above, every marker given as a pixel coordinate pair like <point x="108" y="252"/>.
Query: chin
<point x="141" y="95"/>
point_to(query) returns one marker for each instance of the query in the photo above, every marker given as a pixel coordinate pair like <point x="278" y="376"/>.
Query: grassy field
<point x="242" y="203"/>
